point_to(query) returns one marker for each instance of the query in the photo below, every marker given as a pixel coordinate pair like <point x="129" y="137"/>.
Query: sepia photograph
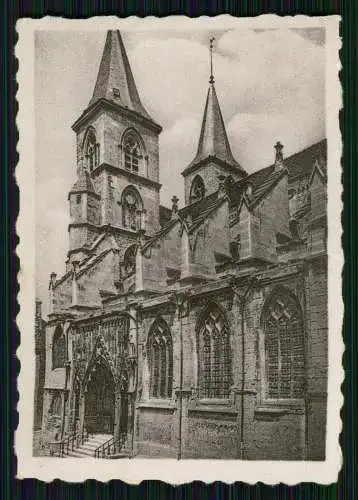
<point x="182" y="262"/>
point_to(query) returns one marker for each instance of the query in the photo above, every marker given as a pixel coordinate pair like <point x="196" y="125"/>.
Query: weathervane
<point x="211" y="80"/>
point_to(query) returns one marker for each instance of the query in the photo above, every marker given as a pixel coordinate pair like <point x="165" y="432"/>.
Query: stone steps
<point x="88" y="448"/>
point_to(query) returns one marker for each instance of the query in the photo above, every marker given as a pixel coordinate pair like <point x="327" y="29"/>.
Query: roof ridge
<point x="95" y="260"/>
<point x="207" y="212"/>
<point x="159" y="234"/>
<point x="266" y="186"/>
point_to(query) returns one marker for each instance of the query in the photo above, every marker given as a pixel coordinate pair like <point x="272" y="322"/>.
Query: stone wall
<point x="162" y="254"/>
<point x="100" y="276"/>
<point x="210" y="241"/>
<point x="116" y="182"/>
<point x="214" y="429"/>
<point x="210" y="173"/>
<point x="317" y="356"/>
<point x="115" y="125"/>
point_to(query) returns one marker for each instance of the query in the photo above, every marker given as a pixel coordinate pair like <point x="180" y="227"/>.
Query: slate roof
<point x="265" y="186"/>
<point x="213" y="141"/>
<point x="115" y="81"/>
<point x="159" y="234"/>
<point x="198" y="207"/>
<point x="298" y="165"/>
<point x="83" y="183"/>
<point x="198" y="211"/>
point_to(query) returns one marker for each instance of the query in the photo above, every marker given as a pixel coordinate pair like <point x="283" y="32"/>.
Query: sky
<point x="270" y="85"/>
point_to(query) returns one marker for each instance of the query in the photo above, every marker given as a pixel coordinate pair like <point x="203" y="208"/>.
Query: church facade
<point x="193" y="332"/>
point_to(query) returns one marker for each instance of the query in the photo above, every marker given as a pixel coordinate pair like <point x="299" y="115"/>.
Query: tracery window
<point x="284" y="347"/>
<point x="131" y="208"/>
<point x="91" y="150"/>
<point x="131" y="154"/>
<point x="56" y="404"/>
<point x="58" y="349"/>
<point x="197" y="190"/>
<point x="214" y="355"/>
<point x="129" y="260"/>
<point x="160" y="357"/>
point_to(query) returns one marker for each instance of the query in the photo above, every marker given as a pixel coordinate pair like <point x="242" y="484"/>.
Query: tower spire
<point x="213" y="140"/>
<point x="115" y="81"/>
<point x="211" y="79"/>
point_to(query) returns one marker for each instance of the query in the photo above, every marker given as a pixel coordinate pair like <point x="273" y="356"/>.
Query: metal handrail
<point x="69" y="443"/>
<point x="111" y="446"/>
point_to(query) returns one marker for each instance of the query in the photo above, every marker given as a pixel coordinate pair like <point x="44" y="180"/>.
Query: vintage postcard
<point x="180" y="249"/>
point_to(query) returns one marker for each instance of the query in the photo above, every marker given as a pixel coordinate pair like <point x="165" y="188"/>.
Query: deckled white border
<point x="172" y="471"/>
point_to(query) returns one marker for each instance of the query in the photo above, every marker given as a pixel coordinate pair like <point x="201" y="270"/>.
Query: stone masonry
<point x="201" y="335"/>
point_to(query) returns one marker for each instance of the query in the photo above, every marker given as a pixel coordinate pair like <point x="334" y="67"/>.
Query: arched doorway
<point x="100" y="401"/>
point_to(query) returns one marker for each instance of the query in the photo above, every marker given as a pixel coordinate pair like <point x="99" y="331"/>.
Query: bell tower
<point x="118" y="150"/>
<point x="214" y="157"/>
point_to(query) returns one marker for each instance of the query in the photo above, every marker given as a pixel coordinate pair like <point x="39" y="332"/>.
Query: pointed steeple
<point x="213" y="141"/>
<point x="115" y="80"/>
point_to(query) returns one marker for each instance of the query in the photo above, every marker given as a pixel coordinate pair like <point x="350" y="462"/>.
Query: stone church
<point x="191" y="332"/>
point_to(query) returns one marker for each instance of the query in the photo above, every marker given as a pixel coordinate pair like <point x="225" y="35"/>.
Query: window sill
<point x="221" y="407"/>
<point x="58" y="369"/>
<point x="157" y="403"/>
<point x="214" y="402"/>
<point x="273" y="409"/>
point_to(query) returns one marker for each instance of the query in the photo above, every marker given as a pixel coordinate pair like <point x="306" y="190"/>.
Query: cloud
<point x="253" y="135"/>
<point x="171" y="75"/>
<point x="271" y="68"/>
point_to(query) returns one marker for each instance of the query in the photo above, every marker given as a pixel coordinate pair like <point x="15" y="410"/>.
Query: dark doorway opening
<point x="100" y="401"/>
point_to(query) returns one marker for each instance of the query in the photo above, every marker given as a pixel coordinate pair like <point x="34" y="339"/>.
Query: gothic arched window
<point x="132" y="153"/>
<point x="56" y="404"/>
<point x="131" y="208"/>
<point x="197" y="190"/>
<point x="214" y="354"/>
<point x="129" y="260"/>
<point x="91" y="150"/>
<point x="58" y="349"/>
<point x="282" y="325"/>
<point x="160" y="357"/>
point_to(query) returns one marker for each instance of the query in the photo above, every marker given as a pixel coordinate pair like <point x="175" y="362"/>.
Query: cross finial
<point x="279" y="155"/>
<point x="175" y="201"/>
<point x="211" y="79"/>
<point x="278" y="146"/>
